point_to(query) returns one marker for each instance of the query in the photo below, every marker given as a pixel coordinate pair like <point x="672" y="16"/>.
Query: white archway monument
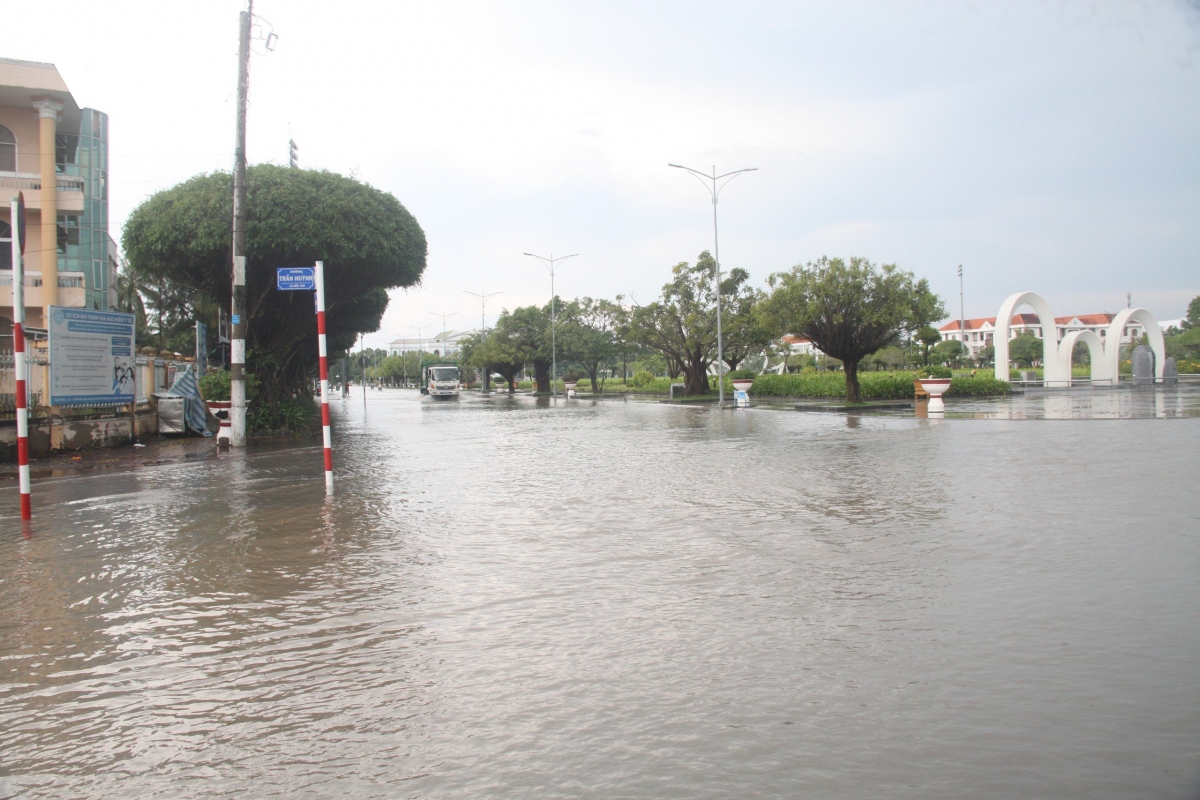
<point x="1056" y="356"/>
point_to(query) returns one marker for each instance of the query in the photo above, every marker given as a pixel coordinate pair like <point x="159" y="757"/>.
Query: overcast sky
<point x="1051" y="147"/>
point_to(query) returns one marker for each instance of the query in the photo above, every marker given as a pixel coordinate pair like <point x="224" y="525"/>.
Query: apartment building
<point x="978" y="333"/>
<point x="56" y="153"/>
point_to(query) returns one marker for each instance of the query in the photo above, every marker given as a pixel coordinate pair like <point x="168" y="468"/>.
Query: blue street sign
<point x="295" y="278"/>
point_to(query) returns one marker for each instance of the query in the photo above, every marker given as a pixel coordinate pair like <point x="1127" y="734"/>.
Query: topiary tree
<point x="1025" y="349"/>
<point x="850" y="310"/>
<point x="181" y="238"/>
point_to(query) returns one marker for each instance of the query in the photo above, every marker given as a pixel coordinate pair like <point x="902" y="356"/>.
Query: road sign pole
<point x="323" y="355"/>
<point x="20" y="366"/>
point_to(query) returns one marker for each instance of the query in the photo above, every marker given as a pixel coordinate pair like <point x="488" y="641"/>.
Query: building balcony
<point x="71" y="290"/>
<point x="68" y="188"/>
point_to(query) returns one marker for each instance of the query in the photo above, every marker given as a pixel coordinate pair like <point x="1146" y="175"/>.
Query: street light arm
<point x="550" y="263"/>
<point x="736" y="172"/>
<point x="693" y="171"/>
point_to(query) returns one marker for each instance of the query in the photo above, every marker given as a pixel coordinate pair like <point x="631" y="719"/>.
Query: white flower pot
<point x="936" y="387"/>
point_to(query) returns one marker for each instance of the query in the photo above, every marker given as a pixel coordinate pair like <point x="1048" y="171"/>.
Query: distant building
<point x="57" y="154"/>
<point x="447" y="343"/>
<point x="799" y="346"/>
<point x="977" y="333"/>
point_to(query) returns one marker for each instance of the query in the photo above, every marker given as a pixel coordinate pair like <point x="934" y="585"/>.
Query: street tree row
<point x="849" y="310"/>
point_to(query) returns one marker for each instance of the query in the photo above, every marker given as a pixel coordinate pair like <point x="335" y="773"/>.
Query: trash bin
<point x="677" y="389"/>
<point x="170" y="414"/>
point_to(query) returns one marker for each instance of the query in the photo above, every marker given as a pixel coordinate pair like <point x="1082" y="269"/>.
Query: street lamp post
<point x="483" y="296"/>
<point x="550" y="263"/>
<point x="420" y="347"/>
<point x="444" y="316"/>
<point x="709" y="182"/>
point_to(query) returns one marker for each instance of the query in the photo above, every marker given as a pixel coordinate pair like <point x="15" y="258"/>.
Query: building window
<point x="5" y="245"/>
<point x="66" y="149"/>
<point x="8" y="150"/>
<point x="68" y="231"/>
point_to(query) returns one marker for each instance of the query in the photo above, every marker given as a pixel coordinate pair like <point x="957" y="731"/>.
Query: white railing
<point x="31" y="181"/>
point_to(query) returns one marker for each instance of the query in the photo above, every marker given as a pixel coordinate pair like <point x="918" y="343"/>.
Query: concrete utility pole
<point x="483" y="296"/>
<point x="714" y="190"/>
<point x="237" y="345"/>
<point x="550" y="263"/>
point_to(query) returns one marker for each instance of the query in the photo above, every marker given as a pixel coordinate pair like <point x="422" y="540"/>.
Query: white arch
<point x="1100" y="363"/>
<point x="1153" y="332"/>
<point x="1052" y="366"/>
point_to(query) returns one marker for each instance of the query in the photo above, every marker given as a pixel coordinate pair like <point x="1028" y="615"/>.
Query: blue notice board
<point x="292" y="279"/>
<point x="91" y="357"/>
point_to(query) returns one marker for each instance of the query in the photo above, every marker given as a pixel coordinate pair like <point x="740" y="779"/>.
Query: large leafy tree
<point x="745" y="329"/>
<point x="526" y="331"/>
<point x="587" y="334"/>
<point x="682" y="324"/>
<point x="369" y="242"/>
<point x="496" y="352"/>
<point x="850" y="310"/>
<point x="1193" y="314"/>
<point x="928" y="337"/>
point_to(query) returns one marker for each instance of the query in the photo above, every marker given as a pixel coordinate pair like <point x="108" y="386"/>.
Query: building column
<point x="48" y="110"/>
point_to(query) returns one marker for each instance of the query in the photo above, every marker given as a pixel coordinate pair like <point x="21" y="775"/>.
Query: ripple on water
<point x="616" y="599"/>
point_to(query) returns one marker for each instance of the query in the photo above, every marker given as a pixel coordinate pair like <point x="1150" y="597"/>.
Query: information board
<point x="91" y="357"/>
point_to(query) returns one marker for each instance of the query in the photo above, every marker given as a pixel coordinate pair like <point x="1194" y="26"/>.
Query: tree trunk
<point x="541" y="376"/>
<point x="594" y="376"/>
<point x="695" y="377"/>
<point x="853" y="392"/>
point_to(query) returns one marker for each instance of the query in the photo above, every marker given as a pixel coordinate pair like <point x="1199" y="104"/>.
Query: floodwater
<point x="613" y="599"/>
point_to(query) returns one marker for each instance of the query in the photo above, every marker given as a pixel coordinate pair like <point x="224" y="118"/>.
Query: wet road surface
<point x="612" y="599"/>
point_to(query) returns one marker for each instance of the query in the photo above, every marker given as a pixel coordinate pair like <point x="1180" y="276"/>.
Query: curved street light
<point x="483" y="296"/>
<point x="550" y="263"/>
<point x="709" y="182"/>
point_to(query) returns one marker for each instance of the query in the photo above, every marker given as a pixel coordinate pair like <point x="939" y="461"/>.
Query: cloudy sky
<point x="1052" y="147"/>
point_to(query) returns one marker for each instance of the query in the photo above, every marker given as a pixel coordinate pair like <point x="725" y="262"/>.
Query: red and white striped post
<point x="323" y="354"/>
<point x="20" y="368"/>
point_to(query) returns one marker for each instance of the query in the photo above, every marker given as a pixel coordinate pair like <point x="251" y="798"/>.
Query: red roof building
<point x="977" y="333"/>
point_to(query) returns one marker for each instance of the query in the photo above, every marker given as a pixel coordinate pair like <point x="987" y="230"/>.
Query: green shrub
<point x="934" y="371"/>
<point x="291" y="416"/>
<point x="977" y="386"/>
<point x="641" y="378"/>
<point x="874" y="385"/>
<point x="215" y="385"/>
<point x="741" y="374"/>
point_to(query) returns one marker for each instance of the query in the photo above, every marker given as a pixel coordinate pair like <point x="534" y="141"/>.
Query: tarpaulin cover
<point x="194" y="409"/>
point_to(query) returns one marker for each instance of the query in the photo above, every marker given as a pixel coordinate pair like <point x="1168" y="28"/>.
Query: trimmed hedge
<point x="874" y="385"/>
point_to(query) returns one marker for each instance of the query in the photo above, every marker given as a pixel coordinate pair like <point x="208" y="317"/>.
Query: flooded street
<point x="613" y="599"/>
